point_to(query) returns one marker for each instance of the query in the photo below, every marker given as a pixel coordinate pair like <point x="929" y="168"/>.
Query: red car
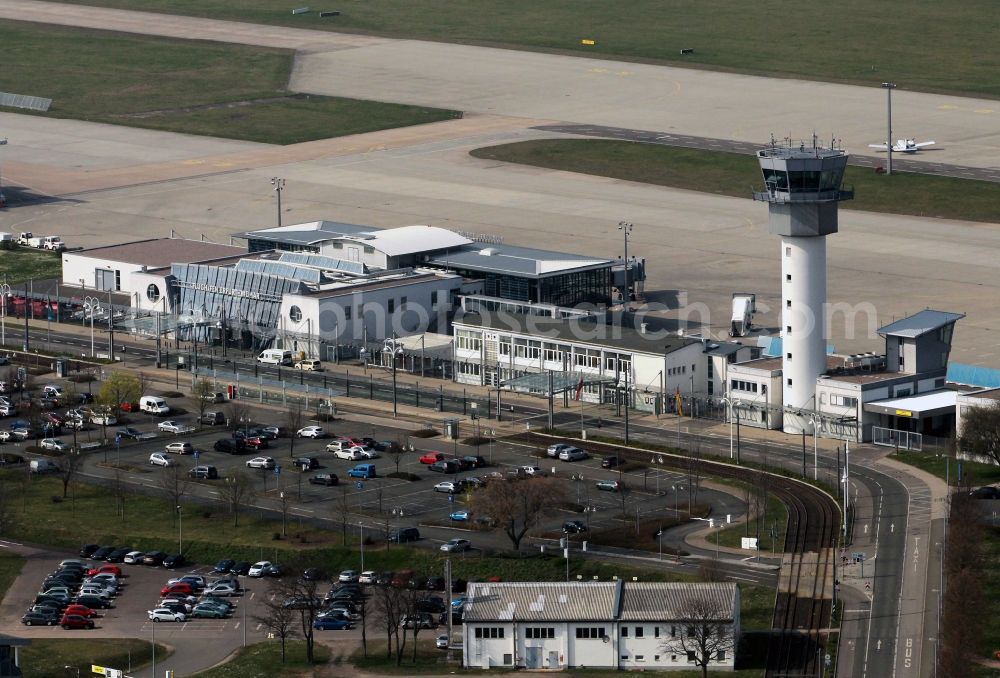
<point x="105" y="569"/>
<point x="76" y="621"/>
<point x="179" y="587"/>
<point x="81" y="610"/>
<point x="255" y="442"/>
<point x="432" y="457"/>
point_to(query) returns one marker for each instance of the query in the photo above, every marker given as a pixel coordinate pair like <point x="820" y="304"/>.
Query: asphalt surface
<point x="900" y="161"/>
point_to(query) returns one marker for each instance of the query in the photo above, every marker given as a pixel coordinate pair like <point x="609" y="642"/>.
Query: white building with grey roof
<point x="593" y="624"/>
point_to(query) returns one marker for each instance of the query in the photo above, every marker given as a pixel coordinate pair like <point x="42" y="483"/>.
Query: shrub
<point x="403" y="475"/>
<point x="424" y="433"/>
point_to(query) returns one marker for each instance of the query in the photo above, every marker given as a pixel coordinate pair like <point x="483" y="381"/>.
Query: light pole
<point x="729" y="410"/>
<point x="180" y="531"/>
<point x="91" y="305"/>
<point x="279" y="186"/>
<point x="815" y="422"/>
<point x="362" y="526"/>
<point x="4" y="292"/>
<point x="626" y="228"/>
<point x="889" y="86"/>
<point x="566" y="551"/>
<point x="396" y="352"/>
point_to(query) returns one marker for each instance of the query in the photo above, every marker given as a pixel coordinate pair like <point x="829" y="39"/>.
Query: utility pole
<point x="889" y="86"/>
<point x="279" y="186"/>
<point x="626" y="228"/>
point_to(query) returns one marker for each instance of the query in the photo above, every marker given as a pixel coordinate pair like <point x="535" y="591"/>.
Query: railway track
<point x="804" y="601"/>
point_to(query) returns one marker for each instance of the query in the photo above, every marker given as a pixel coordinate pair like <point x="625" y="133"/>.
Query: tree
<point x="120" y="491"/>
<point x="980" y="435"/>
<point x="293" y="422"/>
<point x="413" y="611"/>
<point x="174" y="484"/>
<point x="388" y="607"/>
<point x="706" y="631"/>
<point x="236" y="492"/>
<point x="518" y="505"/>
<point x="68" y="464"/>
<point x="279" y="619"/>
<point x="119" y="388"/>
<point x="342" y="510"/>
<point x="239" y="414"/>
<point x="395" y="451"/>
<point x="301" y="598"/>
<point x="203" y="394"/>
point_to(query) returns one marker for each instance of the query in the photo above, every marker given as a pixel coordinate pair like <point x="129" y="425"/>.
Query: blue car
<point x="459" y="515"/>
<point x="326" y="624"/>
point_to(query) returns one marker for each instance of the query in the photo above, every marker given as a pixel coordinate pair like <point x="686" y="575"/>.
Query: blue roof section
<point x="325" y="263"/>
<point x="285" y="270"/>
<point x="772" y="347"/>
<point x="973" y="375"/>
<point x="920" y="323"/>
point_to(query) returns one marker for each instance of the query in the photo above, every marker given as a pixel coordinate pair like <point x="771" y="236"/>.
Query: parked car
<point x="207" y="612"/>
<point x="447" y="486"/>
<point x="613" y="461"/>
<point x="229" y="446"/>
<point x="422" y="620"/>
<point x="456" y="545"/>
<point x="307" y="463"/>
<point x="432" y="457"/>
<point x="311" y="365"/>
<point x="987" y="492"/>
<point x="40" y="618"/>
<point x="161" y="459"/>
<point x="475" y="461"/>
<point x="607" y="485"/>
<point x="263" y="568"/>
<point x="223" y="589"/>
<point x="367" y="577"/>
<point x="133" y="558"/>
<point x="311" y="432"/>
<point x="179" y="448"/>
<point x="154" y="558"/>
<point x="204" y="473"/>
<point x="128" y="432"/>
<point x="459" y="516"/>
<point x="574" y="527"/>
<point x="241" y="568"/>
<point x="118" y="555"/>
<point x="76" y="621"/>
<point x="267" y="463"/>
<point x="441" y="642"/>
<point x="174" y="560"/>
<point x="327" y="479"/>
<point x="53" y="444"/>
<point x="404" y="534"/>
<point x="171" y="427"/>
<point x="554" y="450"/>
<point x="329" y="624"/>
<point x="573" y="454"/>
<point x="165" y="614"/>
<point x="444" y="466"/>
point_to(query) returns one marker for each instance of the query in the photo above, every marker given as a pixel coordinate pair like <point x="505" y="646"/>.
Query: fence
<point x="901" y="440"/>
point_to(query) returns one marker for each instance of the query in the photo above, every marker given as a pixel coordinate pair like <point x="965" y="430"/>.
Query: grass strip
<point x="48" y="657"/>
<point x="263" y="660"/>
<point x="734" y="174"/>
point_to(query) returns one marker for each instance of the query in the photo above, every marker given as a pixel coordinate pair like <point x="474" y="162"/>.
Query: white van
<point x="275" y="356"/>
<point x="41" y="466"/>
<point x="153" y="405"/>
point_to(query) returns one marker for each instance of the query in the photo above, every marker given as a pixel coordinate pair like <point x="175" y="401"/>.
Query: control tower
<point x="802" y="186"/>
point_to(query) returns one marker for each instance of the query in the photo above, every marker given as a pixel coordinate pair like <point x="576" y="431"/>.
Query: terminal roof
<point x="920" y="323"/>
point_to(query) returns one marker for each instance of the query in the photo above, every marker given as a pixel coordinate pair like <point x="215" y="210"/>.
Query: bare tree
<point x="236" y="492"/>
<point x="706" y="633"/>
<point x="396" y="452"/>
<point x="300" y="597"/>
<point x="388" y="607"/>
<point x="518" y="505"/>
<point x="239" y="414"/>
<point x="119" y="490"/>
<point x="413" y="612"/>
<point x="68" y="465"/>
<point x="203" y="394"/>
<point x="280" y="619"/>
<point x="341" y="509"/>
<point x="293" y="422"/>
<point x="173" y="482"/>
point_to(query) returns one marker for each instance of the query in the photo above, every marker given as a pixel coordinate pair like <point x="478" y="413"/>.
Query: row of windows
<point x="489" y="632"/>
<point x="590" y="632"/>
<point x="748" y="386"/>
<point x="843" y="401"/>
<point x="539" y="632"/>
<point x="679" y="370"/>
<point x="720" y="656"/>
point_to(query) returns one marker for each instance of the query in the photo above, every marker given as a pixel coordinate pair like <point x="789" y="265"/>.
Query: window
<point x="691" y="631"/>
<point x="369" y="249"/>
<point x="402" y="301"/>
<point x="338" y="245"/>
<point x="508" y="659"/>
<point x="673" y="634"/>
<point x="788" y="251"/>
<point x="540" y="632"/>
<point x="118" y="281"/>
<point x="788" y="356"/>
<point x="295" y="314"/>
<point x="789" y="381"/>
<point x="469" y="341"/>
<point x="788" y="303"/>
<point x="748" y="386"/>
<point x="656" y="634"/>
<point x="639" y="631"/>
<point x="788" y="277"/>
<point x="843" y="401"/>
<point x="490" y="632"/>
<point x="640" y="658"/>
<point x="590" y="632"/>
<point x="347" y="312"/>
<point x="673" y="657"/>
<point x="624" y="632"/>
<point x="656" y="658"/>
<point x="153" y="293"/>
<point x="392" y="306"/>
<point x="690" y="655"/>
<point x="788" y="329"/>
<point x="720" y="656"/>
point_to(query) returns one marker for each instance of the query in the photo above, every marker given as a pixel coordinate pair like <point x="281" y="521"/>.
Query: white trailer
<point x="744" y="306"/>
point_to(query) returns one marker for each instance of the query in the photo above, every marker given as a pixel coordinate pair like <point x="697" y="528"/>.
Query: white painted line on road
<point x="259" y="626"/>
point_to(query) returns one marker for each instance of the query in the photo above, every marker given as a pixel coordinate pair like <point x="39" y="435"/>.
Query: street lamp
<point x="4" y="292"/>
<point x="729" y="409"/>
<point x="180" y="531"/>
<point x="91" y="305"/>
<point x="396" y="352"/>
<point x="815" y="422"/>
<point x="626" y="228"/>
<point x="889" y="86"/>
<point x="279" y="186"/>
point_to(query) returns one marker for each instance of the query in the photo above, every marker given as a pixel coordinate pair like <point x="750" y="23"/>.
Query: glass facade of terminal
<point x="569" y="289"/>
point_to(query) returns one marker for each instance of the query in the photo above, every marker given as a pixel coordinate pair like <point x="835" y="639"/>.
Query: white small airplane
<point x="903" y="146"/>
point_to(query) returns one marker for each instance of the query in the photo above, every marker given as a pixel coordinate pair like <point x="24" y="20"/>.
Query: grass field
<point x="10" y="567"/>
<point x="733" y="174"/>
<point x="263" y="660"/>
<point x="205" y="88"/>
<point x="775" y="513"/>
<point x="925" y="45"/>
<point x="974" y="474"/>
<point x="21" y="264"/>
<point x="48" y="657"/>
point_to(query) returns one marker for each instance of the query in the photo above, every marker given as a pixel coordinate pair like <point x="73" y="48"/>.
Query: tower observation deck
<point x="802" y="186"/>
